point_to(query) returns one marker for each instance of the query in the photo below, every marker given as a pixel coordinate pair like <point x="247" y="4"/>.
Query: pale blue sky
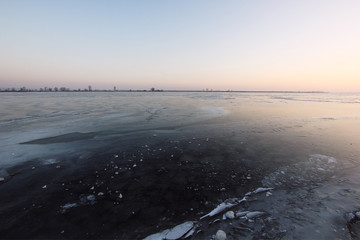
<point x="239" y="45"/>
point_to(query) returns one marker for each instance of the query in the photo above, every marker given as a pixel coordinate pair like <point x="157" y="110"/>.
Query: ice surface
<point x="254" y="139"/>
<point x="316" y="169"/>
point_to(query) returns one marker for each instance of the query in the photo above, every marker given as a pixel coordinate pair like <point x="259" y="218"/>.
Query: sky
<point x="307" y="45"/>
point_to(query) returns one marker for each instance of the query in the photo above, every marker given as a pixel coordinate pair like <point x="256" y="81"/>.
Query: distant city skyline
<point x="181" y="45"/>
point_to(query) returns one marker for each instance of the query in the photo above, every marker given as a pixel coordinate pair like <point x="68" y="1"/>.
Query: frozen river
<point x="136" y="165"/>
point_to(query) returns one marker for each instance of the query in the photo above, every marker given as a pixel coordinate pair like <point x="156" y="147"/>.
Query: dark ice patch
<point x="69" y="137"/>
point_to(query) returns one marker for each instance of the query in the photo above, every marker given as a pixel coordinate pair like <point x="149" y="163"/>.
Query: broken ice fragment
<point x="254" y="214"/>
<point x="224" y="206"/>
<point x="100" y="194"/>
<point x="179" y="230"/>
<point x="241" y="214"/>
<point x="157" y="236"/>
<point x="90" y="197"/>
<point x="44" y="186"/>
<point x="230" y="215"/>
<point x="268" y="194"/>
<point x="190" y="233"/>
<point x="67" y="206"/>
<point x="220" y="235"/>
<point x="261" y="189"/>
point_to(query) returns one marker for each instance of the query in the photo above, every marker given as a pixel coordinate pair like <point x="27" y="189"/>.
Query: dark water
<point x="128" y="165"/>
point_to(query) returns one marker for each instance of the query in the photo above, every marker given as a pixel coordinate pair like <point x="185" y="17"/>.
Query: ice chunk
<point x="230" y="215"/>
<point x="261" y="189"/>
<point x="268" y="194"/>
<point x="2" y="179"/>
<point x="68" y="206"/>
<point x="190" y="233"/>
<point x="220" y="235"/>
<point x="254" y="214"/>
<point x="241" y="214"/>
<point x="157" y="236"/>
<point x="224" y="206"/>
<point x="179" y="231"/>
<point x="183" y="230"/>
<point x="90" y="197"/>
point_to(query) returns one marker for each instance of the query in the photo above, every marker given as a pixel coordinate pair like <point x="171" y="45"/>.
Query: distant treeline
<point x="64" y="89"/>
<point x="89" y="89"/>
